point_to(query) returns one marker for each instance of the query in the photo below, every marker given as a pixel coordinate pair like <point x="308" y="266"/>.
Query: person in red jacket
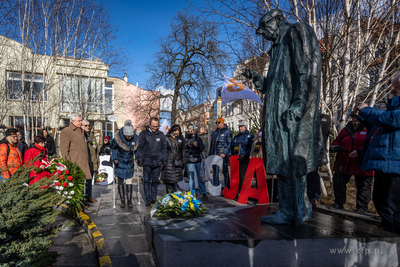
<point x="33" y="157"/>
<point x="349" y="144"/>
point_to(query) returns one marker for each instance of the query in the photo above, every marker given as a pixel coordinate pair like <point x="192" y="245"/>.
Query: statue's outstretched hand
<point x="257" y="78"/>
<point x="249" y="74"/>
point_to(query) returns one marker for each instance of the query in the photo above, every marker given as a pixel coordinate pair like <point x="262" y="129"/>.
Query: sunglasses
<point x="86" y="125"/>
<point x="218" y="122"/>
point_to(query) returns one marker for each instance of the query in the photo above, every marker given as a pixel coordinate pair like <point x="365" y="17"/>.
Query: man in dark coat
<point x="241" y="145"/>
<point x="151" y="154"/>
<point x="22" y="145"/>
<point x="220" y="145"/>
<point x="313" y="178"/>
<point x="292" y="139"/>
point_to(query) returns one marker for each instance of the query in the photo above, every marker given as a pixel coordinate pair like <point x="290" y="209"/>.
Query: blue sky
<point x="141" y="24"/>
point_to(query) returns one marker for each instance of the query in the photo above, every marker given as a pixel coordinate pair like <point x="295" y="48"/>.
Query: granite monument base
<point x="236" y="236"/>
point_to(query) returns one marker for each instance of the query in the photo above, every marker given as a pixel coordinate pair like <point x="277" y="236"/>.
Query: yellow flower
<point x="170" y="203"/>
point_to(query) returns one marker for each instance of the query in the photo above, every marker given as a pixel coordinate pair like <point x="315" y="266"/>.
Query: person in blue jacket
<point x="122" y="149"/>
<point x="220" y="145"/>
<point x="382" y="154"/>
<point x="241" y="145"/>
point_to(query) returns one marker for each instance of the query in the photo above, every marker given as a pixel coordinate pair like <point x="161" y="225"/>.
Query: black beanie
<point x="11" y="131"/>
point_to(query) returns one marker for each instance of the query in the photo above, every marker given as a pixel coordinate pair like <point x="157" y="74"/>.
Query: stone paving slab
<point x="145" y="260"/>
<point x="121" y="230"/>
<point x="128" y="245"/>
<point x="117" y="218"/>
<point x="80" y="255"/>
<point x="73" y="244"/>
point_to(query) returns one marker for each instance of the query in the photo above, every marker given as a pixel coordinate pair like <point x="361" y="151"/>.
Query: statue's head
<point x="270" y="24"/>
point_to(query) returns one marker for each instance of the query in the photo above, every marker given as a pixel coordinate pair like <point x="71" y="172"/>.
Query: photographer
<point x="348" y="146"/>
<point x="194" y="148"/>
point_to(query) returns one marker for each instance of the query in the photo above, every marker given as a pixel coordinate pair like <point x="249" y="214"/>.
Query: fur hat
<point x="221" y="120"/>
<point x="128" y="128"/>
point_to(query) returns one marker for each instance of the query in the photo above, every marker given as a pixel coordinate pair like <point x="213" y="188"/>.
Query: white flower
<point x="72" y="192"/>
<point x="61" y="188"/>
<point x="69" y="197"/>
<point x="65" y="193"/>
<point x="67" y="202"/>
<point x="59" y="192"/>
<point x="61" y="168"/>
<point x="71" y="184"/>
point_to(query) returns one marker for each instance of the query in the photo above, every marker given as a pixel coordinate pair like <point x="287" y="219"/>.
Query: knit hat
<point x="128" y="128"/>
<point x="10" y="132"/>
<point x="107" y="137"/>
<point x="221" y="120"/>
<point x="243" y="123"/>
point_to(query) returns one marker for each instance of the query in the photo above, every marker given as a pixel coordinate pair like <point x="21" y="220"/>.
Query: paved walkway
<point x="73" y="244"/>
<point x="122" y="229"/>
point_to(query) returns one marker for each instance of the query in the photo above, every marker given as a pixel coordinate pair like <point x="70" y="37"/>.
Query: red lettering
<point x="256" y="166"/>
<point x="234" y="186"/>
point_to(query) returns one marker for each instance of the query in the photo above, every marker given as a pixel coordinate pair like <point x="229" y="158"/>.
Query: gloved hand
<point x="164" y="164"/>
<point x="139" y="163"/>
<point x="241" y="157"/>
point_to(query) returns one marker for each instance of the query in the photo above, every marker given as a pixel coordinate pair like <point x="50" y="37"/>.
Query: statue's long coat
<point x="293" y="81"/>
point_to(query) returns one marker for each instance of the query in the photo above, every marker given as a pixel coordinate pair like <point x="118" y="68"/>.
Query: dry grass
<point x="350" y="198"/>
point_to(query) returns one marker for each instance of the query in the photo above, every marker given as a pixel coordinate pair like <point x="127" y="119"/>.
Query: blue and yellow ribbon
<point x="192" y="202"/>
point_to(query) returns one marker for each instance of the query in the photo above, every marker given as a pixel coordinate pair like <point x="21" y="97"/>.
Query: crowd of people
<point x="368" y="148"/>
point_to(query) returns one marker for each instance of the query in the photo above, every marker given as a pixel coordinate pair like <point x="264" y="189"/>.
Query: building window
<point x="108" y="93"/>
<point x="33" y="87"/>
<point x="18" y="121"/>
<point x="82" y="93"/>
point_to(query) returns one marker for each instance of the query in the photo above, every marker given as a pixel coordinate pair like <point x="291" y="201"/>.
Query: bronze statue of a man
<point x="292" y="139"/>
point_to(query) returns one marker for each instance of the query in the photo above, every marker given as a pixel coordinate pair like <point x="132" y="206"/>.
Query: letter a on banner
<point x="234" y="185"/>
<point x="256" y="166"/>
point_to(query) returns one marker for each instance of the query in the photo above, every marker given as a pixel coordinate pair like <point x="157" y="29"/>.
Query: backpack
<point x="4" y="141"/>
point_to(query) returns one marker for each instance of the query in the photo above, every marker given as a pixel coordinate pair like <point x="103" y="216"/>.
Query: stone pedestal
<point x="236" y="237"/>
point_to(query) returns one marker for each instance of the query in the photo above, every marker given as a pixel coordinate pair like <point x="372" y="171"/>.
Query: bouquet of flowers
<point x="100" y="177"/>
<point x="178" y="204"/>
<point x="69" y="181"/>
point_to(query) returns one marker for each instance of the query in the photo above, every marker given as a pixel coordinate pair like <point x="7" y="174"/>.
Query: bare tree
<point x="189" y="61"/>
<point x="60" y="65"/>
